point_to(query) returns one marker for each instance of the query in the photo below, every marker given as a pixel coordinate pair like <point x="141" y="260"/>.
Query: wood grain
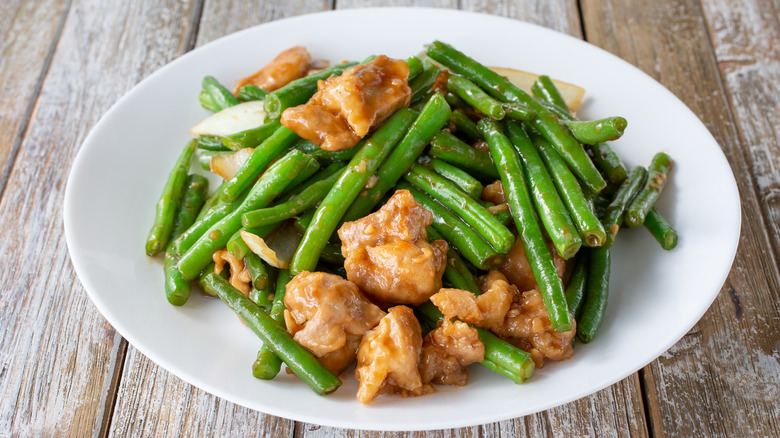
<point x="745" y="36"/>
<point x="59" y="356"/>
<point x="723" y="377"/>
<point x="24" y="60"/>
<point x="150" y="401"/>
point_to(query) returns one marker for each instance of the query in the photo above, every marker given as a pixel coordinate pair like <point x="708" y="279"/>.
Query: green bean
<point x="474" y="214"/>
<point x="459" y="234"/>
<point x="661" y="230"/>
<point x="613" y="218"/>
<point x="332" y="208"/>
<point x="310" y="196"/>
<point x="177" y="289"/>
<point x="165" y="211"/>
<point x="211" y="143"/>
<point x="323" y="156"/>
<point x="207" y="102"/>
<point x="250" y="138"/>
<point x="268" y="364"/>
<point x="521" y="205"/>
<point x="332" y="254"/>
<point x="657" y="174"/>
<point x="302" y="180"/>
<point x="474" y="96"/>
<point x="299" y="91"/>
<point x="454" y="101"/>
<point x="257" y="162"/>
<point x="519" y="112"/>
<point x="303" y="221"/>
<point x="262" y="286"/>
<point x="297" y="358"/>
<point x="604" y="156"/>
<point x="269" y="186"/>
<point x="597" y="131"/>
<point x="433" y="116"/>
<point x="549" y="206"/>
<point x="590" y="228"/>
<point x="192" y="201"/>
<point x="608" y="162"/>
<point x="236" y="246"/>
<point x="251" y="92"/>
<point x="595" y="305"/>
<point x="456" y="271"/>
<point x="546" y="123"/>
<point x="465" y="125"/>
<point x="463" y="180"/>
<point x="578" y="283"/>
<point x="545" y="89"/>
<point x="220" y="97"/>
<point x="451" y="149"/>
<point x="298" y="184"/>
<point x="423" y="82"/>
<point x="415" y="66"/>
<point x="215" y="214"/>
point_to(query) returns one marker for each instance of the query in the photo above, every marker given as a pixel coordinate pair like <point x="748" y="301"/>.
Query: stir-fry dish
<point x="403" y="218"/>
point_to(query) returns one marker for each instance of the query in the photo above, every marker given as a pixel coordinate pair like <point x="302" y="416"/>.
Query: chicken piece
<point x="494" y="192"/>
<point x="388" y="357"/>
<point x="328" y="315"/>
<point x="388" y="255"/>
<point x="518" y="270"/>
<point x="518" y="317"/>
<point x="528" y="324"/>
<point x="485" y="310"/>
<point x="361" y="97"/>
<point x="446" y="352"/>
<point x="239" y="275"/>
<point x="288" y="66"/>
<point x="320" y="127"/>
<point x="367" y="94"/>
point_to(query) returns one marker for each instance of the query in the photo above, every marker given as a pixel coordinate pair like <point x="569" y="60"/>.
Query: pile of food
<point x="412" y="217"/>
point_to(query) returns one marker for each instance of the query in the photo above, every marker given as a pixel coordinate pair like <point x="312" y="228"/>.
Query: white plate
<point x="655" y="296"/>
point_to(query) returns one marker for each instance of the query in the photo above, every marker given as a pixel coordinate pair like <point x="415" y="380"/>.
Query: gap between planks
<point x="121" y="356"/>
<point x="36" y="93"/>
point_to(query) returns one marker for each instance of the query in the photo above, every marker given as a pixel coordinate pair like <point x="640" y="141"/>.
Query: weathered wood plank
<point x="24" y="59"/>
<point x="615" y="411"/>
<point x="723" y="377"/>
<point x="59" y="356"/>
<point x="745" y="35"/>
<point x="151" y="401"/>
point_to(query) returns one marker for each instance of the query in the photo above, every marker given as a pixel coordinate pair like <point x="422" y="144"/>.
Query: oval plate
<point x="655" y="296"/>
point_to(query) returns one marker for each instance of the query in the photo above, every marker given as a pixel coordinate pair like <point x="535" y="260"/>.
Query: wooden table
<point x="66" y="371"/>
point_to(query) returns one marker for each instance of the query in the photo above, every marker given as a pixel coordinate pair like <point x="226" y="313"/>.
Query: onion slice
<point x="233" y="119"/>
<point x="227" y="165"/>
<point x="572" y="94"/>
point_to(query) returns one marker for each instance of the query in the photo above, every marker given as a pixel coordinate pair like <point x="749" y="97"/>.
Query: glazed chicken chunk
<point x="328" y="315"/>
<point x="346" y="107"/>
<point x="288" y="66"/>
<point x="521" y="318"/>
<point x="518" y="271"/>
<point x="528" y="326"/>
<point x="389" y="355"/>
<point x="388" y="255"/>
<point x="446" y="352"/>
